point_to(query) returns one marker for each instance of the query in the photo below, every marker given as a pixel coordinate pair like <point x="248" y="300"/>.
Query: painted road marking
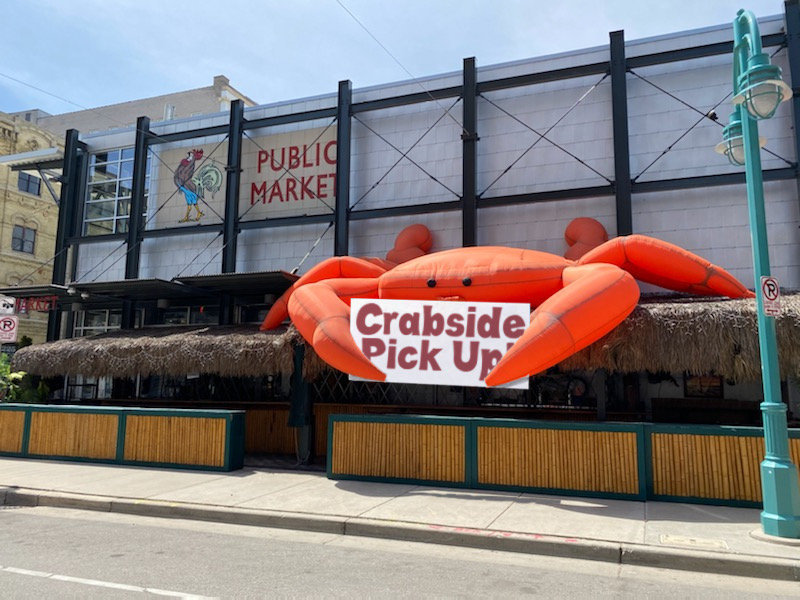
<point x="105" y="584"/>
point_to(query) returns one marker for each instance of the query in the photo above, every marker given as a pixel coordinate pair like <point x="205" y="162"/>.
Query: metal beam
<point x="469" y="157"/>
<point x="309" y="115"/>
<point x="134" y="249"/>
<point x="406" y="211"/>
<point x="286" y="221"/>
<point x="341" y="224"/>
<point x="406" y="99"/>
<point x="792" y="8"/>
<point x="67" y="206"/>
<point x="179" y="136"/>
<point x="543" y="77"/>
<point x="668" y="56"/>
<point x="230" y="229"/>
<point x="619" y="116"/>
<point x="686" y="183"/>
<point x="232" y="180"/>
<point x="547" y="196"/>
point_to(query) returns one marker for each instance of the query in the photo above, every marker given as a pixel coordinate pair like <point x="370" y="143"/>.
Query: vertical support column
<point x="341" y="229"/>
<point x="133" y="250"/>
<point x="469" y="137"/>
<point x="67" y="206"/>
<point x="231" y="227"/>
<point x="792" y="8"/>
<point x="300" y="407"/>
<point x="619" y="115"/>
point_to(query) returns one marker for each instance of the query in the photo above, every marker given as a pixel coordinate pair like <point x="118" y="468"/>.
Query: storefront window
<point x="189" y="315"/>
<point x="108" y="198"/>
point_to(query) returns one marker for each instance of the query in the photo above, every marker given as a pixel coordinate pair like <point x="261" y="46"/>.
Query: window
<point x="30" y="184"/>
<point x="91" y="322"/>
<point x="108" y="201"/>
<point x="23" y="239"/>
<point x="189" y="315"/>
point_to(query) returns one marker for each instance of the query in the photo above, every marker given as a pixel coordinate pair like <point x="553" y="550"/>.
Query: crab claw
<point x="595" y="299"/>
<point x="338" y="266"/>
<point x="323" y="319"/>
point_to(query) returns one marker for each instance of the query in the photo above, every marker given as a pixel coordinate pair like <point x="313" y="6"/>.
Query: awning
<point x="45" y="158"/>
<point x="679" y="335"/>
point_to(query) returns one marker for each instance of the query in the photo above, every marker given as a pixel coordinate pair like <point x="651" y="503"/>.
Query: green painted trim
<point x="234" y="442"/>
<point x="329" y="458"/>
<point x="486" y="422"/>
<point x="471" y="454"/>
<point x="721" y="430"/>
<point x="647" y="443"/>
<point x="643" y="461"/>
<point x="26" y="433"/>
<point x="171" y="412"/>
<point x="121" y="428"/>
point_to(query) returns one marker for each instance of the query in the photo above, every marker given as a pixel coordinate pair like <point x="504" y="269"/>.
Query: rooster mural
<point x="193" y="185"/>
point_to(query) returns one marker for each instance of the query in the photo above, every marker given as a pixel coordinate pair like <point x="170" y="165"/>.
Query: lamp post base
<point x="781" y="493"/>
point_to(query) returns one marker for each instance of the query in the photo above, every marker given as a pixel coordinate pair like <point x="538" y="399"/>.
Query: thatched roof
<point x="662" y="334"/>
<point x="236" y="351"/>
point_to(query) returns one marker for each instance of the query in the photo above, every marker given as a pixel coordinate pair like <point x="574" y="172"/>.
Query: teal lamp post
<point x="758" y="90"/>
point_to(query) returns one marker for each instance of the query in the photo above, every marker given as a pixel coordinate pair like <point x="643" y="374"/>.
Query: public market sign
<point x="437" y="342"/>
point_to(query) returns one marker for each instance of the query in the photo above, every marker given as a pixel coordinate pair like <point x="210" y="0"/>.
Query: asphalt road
<point x="59" y="553"/>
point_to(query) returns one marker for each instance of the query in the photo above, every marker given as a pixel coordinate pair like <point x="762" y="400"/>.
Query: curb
<point x="743" y="565"/>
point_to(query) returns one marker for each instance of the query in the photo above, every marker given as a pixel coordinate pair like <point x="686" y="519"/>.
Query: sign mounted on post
<point x="8" y="328"/>
<point x="437" y="342"/>
<point x="771" y="296"/>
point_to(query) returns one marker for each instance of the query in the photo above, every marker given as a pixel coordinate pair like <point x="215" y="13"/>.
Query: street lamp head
<point x="762" y="88"/>
<point x="732" y="144"/>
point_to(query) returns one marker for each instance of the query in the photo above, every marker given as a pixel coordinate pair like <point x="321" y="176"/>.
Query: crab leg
<point x="321" y="313"/>
<point x="338" y="266"/>
<point x="666" y="265"/>
<point x="595" y="299"/>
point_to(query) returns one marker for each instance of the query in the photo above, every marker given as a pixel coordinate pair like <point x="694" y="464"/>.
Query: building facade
<point x="28" y="218"/>
<point x="493" y="155"/>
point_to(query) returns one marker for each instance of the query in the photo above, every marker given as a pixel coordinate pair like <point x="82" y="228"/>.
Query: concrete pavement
<point x="671" y="535"/>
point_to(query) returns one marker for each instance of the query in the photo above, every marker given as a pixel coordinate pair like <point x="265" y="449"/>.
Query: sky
<point x="90" y="53"/>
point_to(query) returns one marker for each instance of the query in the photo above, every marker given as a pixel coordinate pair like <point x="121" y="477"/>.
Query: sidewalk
<point x="677" y="536"/>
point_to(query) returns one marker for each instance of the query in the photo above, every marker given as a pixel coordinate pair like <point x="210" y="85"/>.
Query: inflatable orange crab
<point x="575" y="302"/>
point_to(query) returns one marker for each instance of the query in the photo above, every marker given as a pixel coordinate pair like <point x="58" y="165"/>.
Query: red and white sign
<point x="771" y="296"/>
<point x="8" y="328"/>
<point x="437" y="342"/>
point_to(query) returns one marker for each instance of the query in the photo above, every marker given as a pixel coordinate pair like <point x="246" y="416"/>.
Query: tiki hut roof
<point x="662" y="334"/>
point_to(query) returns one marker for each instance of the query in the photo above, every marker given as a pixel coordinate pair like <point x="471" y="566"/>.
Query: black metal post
<point x="341" y="245"/>
<point x="134" y="249"/>
<point x="619" y="115"/>
<point x="230" y="229"/>
<point x="469" y="144"/>
<point x="792" y="15"/>
<point x="67" y="206"/>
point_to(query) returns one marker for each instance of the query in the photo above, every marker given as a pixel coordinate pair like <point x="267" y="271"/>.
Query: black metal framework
<point x="469" y="161"/>
<point x="619" y="117"/>
<point x="341" y="229"/>
<point x="469" y="203"/>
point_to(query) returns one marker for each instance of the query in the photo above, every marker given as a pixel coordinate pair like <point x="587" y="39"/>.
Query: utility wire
<point x="285" y="172"/>
<point x="395" y="59"/>
<point x="404" y="155"/>
<point x="543" y="136"/>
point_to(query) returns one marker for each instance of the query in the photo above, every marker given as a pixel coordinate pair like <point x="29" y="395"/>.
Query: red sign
<point x="37" y="303"/>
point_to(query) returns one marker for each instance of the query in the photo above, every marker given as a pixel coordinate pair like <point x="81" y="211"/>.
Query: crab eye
<point x="467" y="281"/>
<point x="431" y="283"/>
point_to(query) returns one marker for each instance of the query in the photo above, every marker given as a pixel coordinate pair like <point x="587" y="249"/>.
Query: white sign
<point x="437" y="342"/>
<point x="771" y="296"/>
<point x="8" y="328"/>
<point x="7" y="305"/>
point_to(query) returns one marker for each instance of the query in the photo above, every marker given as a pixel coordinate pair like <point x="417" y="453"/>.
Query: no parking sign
<point x="8" y="328"/>
<point x="771" y="296"/>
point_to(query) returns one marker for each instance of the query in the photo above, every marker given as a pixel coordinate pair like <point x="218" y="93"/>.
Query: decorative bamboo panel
<point x="266" y="430"/>
<point x="794" y="451"/>
<point x="175" y="440"/>
<point x="321" y="414"/>
<point x="82" y="435"/>
<point x="398" y="451"/>
<point x="590" y="461"/>
<point x="708" y="466"/>
<point x="12" y="424"/>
